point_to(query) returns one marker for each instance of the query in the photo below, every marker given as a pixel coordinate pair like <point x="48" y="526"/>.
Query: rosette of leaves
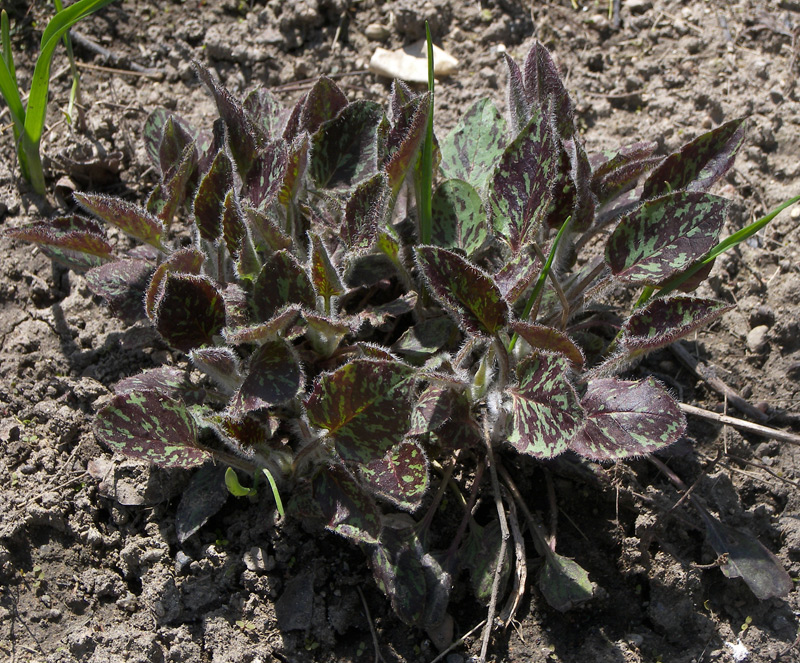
<point x="279" y="251"/>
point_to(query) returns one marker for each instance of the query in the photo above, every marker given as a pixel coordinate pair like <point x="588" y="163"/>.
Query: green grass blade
<point x="5" y="36"/>
<point x="726" y="244"/>
<point x="426" y="175"/>
<point x="275" y="493"/>
<point x="76" y="77"/>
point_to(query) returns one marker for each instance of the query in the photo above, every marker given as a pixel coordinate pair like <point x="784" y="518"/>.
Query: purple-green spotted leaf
<point x="174" y="141"/>
<point x="459" y="218"/>
<point x="220" y="364"/>
<point x="347" y="508"/>
<point x="608" y="161"/>
<point x="400" y="477"/>
<point x="480" y="555"/>
<point x="426" y="338"/>
<point x="518" y="274"/>
<point x="123" y="284"/>
<point x="323" y="274"/>
<point x="404" y="142"/>
<point x="281" y="282"/>
<point x="699" y="163"/>
<point x="545" y="408"/>
<point x="243" y="136"/>
<point x="153" y="132"/>
<point x="470" y="151"/>
<point x="74" y="241"/>
<point x="365" y="406"/>
<point x="344" y="152"/>
<point x="190" y="312"/>
<point x="266" y="175"/>
<point x="296" y="166"/>
<point x="152" y="427"/>
<point x="323" y="103"/>
<point x="665" y="236"/>
<point x="622" y="179"/>
<point x="266" y="330"/>
<point x="364" y="212"/>
<point x="234" y="229"/>
<point x="273" y="377"/>
<point x="548" y="339"/>
<point x="175" y="190"/>
<point x="264" y="111"/>
<point x="129" y="218"/>
<point x="518" y="98"/>
<point x="184" y="261"/>
<point x="325" y="333"/>
<point x="265" y="230"/>
<point x="166" y="380"/>
<point x="433" y="409"/>
<point x="627" y="419"/>
<point x="464" y="289"/>
<point x="664" y="321"/>
<point x="520" y="186"/>
<point x="210" y="196"/>
<point x="248" y="431"/>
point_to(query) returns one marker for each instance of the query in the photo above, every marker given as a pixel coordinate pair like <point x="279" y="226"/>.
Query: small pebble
<point x="377" y="32"/>
<point x="757" y="339"/>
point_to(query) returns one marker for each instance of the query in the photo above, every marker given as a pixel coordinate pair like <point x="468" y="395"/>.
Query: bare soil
<point x="90" y="565"/>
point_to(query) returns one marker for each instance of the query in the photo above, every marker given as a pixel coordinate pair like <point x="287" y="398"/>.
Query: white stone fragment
<point x="410" y="63"/>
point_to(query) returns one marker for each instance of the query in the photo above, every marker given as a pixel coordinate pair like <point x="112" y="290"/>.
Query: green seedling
<point x="347" y="348"/>
<point x="29" y="118"/>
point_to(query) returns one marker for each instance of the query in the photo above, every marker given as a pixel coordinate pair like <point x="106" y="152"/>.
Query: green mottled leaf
<point x="282" y="282"/>
<point x="265" y="230"/>
<point x="365" y="406"/>
<point x="323" y="274"/>
<point x="401" y="476"/>
<point x="698" y="164"/>
<point x="519" y="192"/>
<point x="664" y="321"/>
<point x="210" y="196"/>
<point x="344" y="152"/>
<point x="130" y="218"/>
<point x="122" y="284"/>
<point x="665" y="236"/>
<point x="471" y="150"/>
<point x="151" y="427"/>
<point x="346" y="507"/>
<point x="545" y="408"/>
<point x="153" y="132"/>
<point x="619" y="171"/>
<point x="74" y="241"/>
<point x="480" y="554"/>
<point x="548" y="339"/>
<point x="433" y="409"/>
<point x="220" y="364"/>
<point x="323" y="103"/>
<point x="464" y="289"/>
<point x="232" y="220"/>
<point x="364" y="212"/>
<point x="266" y="175"/>
<point x="563" y="583"/>
<point x="459" y="219"/>
<point x="201" y="499"/>
<point x="185" y="261"/>
<point x="189" y="312"/>
<point x="166" y="380"/>
<point x="273" y="377"/>
<point x="627" y="419"/>
<point x="296" y="166"/>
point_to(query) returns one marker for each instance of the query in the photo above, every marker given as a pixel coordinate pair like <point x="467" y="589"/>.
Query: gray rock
<point x="757" y="339"/>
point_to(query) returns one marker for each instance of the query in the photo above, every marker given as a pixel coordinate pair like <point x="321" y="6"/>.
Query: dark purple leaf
<point x="518" y="99"/>
<point x="266" y="175"/>
<point x="365" y="406"/>
<point x="174" y="191"/>
<point x="545" y="408"/>
<point x="402" y="158"/>
<point x="459" y="218"/>
<point x="627" y="419"/>
<point x="520" y="186"/>
<point x="165" y="380"/>
<point x="273" y="377"/>
<point x="664" y="321"/>
<point x="151" y="427"/>
<point x="323" y="103"/>
<point x="464" y="289"/>
<point x="264" y="331"/>
<point x="401" y="476"/>
<point x="296" y="166"/>
<point x="264" y="111"/>
<point x="548" y="339"/>
<point x="266" y="230"/>
<point x="664" y="236"/>
<point x="426" y="338"/>
<point x="471" y="150"/>
<point x="129" y="218"/>
<point x="233" y="224"/>
<point x="190" y="312"/>
<point x="698" y="164"/>
<point x="201" y="499"/>
<point x="344" y="152"/>
<point x="123" y="284"/>
<point x="210" y="195"/>
<point x="623" y="178"/>
<point x="282" y="282"/>
<point x="174" y="141"/>
<point x="183" y="261"/>
<point x="324" y="275"/>
<point x="346" y="507"/>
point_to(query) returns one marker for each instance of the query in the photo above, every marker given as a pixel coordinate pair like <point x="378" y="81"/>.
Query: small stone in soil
<point x="757" y="339"/>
